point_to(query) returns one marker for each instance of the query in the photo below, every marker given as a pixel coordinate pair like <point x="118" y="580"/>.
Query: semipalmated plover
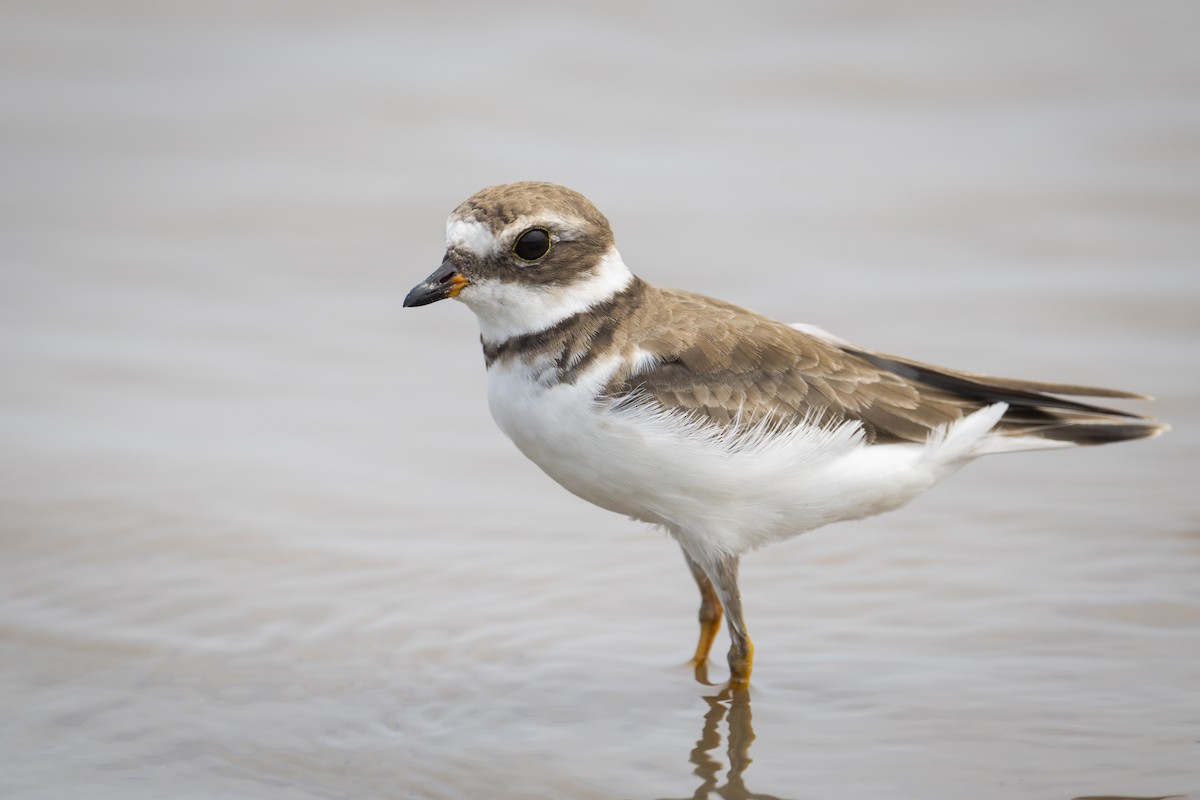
<point x="728" y="429"/>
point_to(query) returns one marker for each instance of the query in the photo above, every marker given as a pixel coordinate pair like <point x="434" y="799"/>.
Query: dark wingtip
<point x="1084" y="433"/>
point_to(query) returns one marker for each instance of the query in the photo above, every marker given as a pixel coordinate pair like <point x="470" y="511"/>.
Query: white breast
<point x="727" y="492"/>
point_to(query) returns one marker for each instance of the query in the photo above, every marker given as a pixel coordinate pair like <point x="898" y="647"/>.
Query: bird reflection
<point x="733" y="705"/>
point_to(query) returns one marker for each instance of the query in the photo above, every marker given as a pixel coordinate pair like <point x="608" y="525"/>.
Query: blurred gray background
<point x="259" y="537"/>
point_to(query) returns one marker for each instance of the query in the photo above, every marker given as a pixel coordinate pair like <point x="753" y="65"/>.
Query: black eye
<point x="532" y="244"/>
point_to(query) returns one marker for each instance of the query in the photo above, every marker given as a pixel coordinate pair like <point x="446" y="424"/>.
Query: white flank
<point x="724" y="492"/>
<point x="507" y="309"/>
<point x="964" y="438"/>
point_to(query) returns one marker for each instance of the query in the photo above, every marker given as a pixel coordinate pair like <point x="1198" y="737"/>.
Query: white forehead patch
<point x="470" y="234"/>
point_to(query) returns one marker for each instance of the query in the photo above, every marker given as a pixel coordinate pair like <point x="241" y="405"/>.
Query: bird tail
<point x="1036" y="415"/>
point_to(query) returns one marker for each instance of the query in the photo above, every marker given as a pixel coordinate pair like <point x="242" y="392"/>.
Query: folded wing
<point x="718" y="362"/>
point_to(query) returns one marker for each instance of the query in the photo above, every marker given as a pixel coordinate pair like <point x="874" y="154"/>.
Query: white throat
<point x="505" y="309"/>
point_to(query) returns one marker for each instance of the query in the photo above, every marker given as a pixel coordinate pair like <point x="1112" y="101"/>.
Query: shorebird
<point x="726" y="428"/>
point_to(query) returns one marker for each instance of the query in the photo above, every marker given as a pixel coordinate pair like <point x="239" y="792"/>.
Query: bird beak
<point x="446" y="281"/>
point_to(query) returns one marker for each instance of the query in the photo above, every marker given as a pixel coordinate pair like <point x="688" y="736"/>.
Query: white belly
<point x="724" y="491"/>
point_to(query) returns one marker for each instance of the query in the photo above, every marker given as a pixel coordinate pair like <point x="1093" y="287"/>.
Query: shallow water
<point x="260" y="538"/>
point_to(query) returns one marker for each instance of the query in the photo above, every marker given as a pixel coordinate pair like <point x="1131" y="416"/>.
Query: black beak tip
<point x="419" y="296"/>
<point x="446" y="281"/>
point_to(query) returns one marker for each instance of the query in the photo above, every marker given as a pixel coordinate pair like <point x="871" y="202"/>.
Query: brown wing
<point x="723" y="363"/>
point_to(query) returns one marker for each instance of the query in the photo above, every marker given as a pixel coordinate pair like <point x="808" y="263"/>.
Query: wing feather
<point x="727" y="365"/>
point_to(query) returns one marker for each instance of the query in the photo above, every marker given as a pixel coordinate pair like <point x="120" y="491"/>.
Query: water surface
<point x="260" y="539"/>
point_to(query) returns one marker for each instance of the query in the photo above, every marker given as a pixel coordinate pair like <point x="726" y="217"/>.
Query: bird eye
<point x="532" y="244"/>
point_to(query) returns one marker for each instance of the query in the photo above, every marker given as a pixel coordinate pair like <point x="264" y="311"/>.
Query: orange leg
<point x="741" y="649"/>
<point x="710" y="613"/>
<point x="741" y="663"/>
<point x="719" y="590"/>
